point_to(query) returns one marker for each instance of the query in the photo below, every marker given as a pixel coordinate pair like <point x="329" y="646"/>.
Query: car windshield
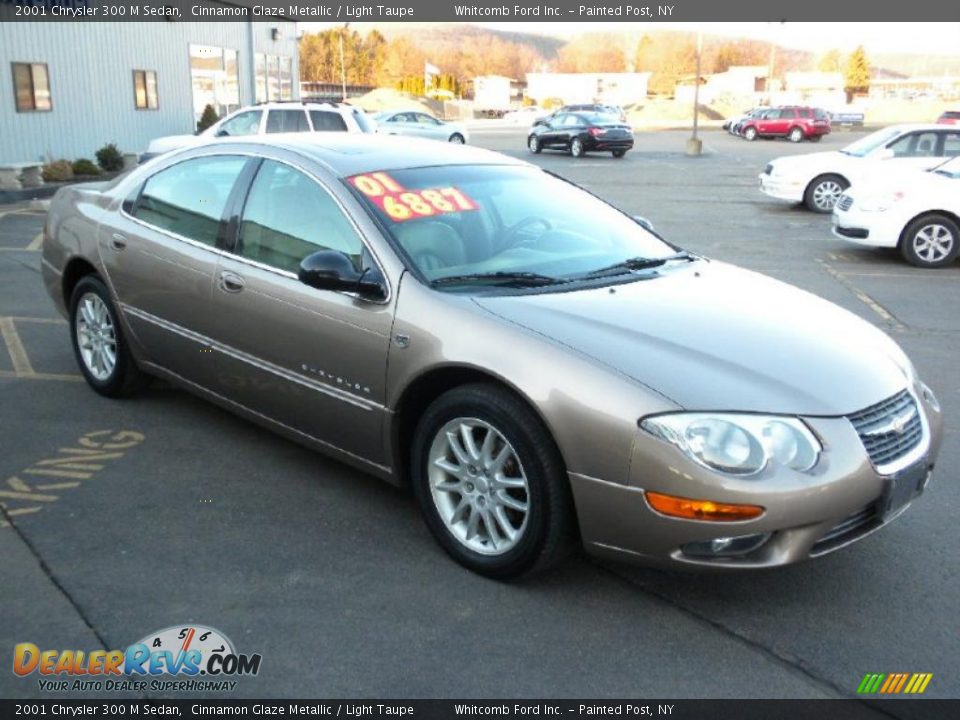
<point x="505" y="224"/>
<point x="864" y="146"/>
<point x="598" y="118"/>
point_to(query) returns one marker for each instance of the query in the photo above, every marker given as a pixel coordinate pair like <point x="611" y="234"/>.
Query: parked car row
<point x="794" y="122"/>
<point x="296" y="117"/>
<point x="898" y="187"/>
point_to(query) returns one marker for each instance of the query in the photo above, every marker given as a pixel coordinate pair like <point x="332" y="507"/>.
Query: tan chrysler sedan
<point x="542" y="369"/>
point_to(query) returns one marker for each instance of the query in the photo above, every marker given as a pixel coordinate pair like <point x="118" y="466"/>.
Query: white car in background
<point x="417" y="123"/>
<point x="525" y="115"/>
<point x="916" y="211"/>
<point x="818" y="179"/>
<point x="273" y="117"/>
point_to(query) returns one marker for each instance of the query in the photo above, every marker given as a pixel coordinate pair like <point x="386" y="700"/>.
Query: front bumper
<point x="806" y="514"/>
<point x="782" y="188"/>
<point x="872" y="229"/>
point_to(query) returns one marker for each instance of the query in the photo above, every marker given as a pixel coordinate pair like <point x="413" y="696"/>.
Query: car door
<point x="554" y="134"/>
<point x="916" y="150"/>
<point x="310" y="359"/>
<point x="161" y="257"/>
<point x="400" y="124"/>
<point x="287" y="121"/>
<point x="430" y="127"/>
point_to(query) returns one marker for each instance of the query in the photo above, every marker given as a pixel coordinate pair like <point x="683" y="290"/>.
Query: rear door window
<point x="189" y="198"/>
<point x="284" y="121"/>
<point x="326" y="121"/>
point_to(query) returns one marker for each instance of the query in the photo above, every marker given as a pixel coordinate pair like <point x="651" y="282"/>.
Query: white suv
<point x="273" y="117"/>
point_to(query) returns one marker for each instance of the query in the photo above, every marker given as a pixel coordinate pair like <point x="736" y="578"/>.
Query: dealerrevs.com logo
<point x="178" y="658"/>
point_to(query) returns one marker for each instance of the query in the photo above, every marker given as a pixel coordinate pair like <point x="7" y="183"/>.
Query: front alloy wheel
<point x="930" y="242"/>
<point x="533" y="142"/>
<point x="490" y="482"/>
<point x="478" y="486"/>
<point x="823" y="193"/>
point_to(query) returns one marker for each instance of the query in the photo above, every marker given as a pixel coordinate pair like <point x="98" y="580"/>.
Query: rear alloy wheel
<point x="750" y="134"/>
<point x="457" y="139"/>
<point x="931" y="241"/>
<point x="533" y="142"/>
<point x="823" y="192"/>
<point x="98" y="342"/>
<point x="619" y="153"/>
<point x="491" y="484"/>
<point x="795" y="135"/>
<point x="576" y="148"/>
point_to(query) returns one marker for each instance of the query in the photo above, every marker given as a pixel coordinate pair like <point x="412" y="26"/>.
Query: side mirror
<point x="332" y="270"/>
<point x="643" y="222"/>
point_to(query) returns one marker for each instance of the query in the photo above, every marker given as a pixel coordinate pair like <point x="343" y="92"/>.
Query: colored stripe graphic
<point x="894" y="683"/>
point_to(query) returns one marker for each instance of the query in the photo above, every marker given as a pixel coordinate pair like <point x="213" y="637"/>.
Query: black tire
<point x="126" y="378"/>
<point x="795" y="135"/>
<point x="750" y="134"/>
<point x="458" y="139"/>
<point x="576" y="148"/>
<point x="549" y="533"/>
<point x="815" y="138"/>
<point x="619" y="153"/>
<point x="931" y="225"/>
<point x="823" y="192"/>
<point x="533" y="145"/>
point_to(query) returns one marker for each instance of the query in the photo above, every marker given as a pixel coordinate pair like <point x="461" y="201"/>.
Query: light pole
<point x="694" y="144"/>
<point x="343" y="65"/>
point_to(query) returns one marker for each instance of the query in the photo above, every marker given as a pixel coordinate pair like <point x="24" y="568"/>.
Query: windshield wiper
<point x="637" y="263"/>
<point x="515" y="279"/>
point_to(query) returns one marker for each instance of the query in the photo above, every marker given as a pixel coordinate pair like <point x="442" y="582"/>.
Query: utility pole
<point x="694" y="144"/>
<point x="343" y="65"/>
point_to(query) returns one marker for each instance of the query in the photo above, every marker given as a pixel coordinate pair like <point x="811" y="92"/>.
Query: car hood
<point x="710" y="336"/>
<point x="829" y="160"/>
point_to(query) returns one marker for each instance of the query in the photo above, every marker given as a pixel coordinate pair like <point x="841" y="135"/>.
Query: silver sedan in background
<point x="419" y="124"/>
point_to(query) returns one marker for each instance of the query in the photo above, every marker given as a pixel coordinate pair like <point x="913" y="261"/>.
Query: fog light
<point x="726" y="547"/>
<point x="691" y="509"/>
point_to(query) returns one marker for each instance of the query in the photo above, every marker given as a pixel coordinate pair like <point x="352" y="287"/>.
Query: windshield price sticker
<point x="400" y="204"/>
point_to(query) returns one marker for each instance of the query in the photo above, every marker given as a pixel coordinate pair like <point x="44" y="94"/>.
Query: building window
<point x="145" y="89"/>
<point x="31" y="87"/>
<point x="215" y="76"/>
<point x="274" y="74"/>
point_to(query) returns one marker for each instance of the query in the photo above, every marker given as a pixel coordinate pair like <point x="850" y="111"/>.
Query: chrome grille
<point x="845" y="203"/>
<point x="889" y="429"/>
<point x="847" y="530"/>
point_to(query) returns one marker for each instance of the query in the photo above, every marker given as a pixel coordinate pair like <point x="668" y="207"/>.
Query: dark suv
<point x="790" y="121"/>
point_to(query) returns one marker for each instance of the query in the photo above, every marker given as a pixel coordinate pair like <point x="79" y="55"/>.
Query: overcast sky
<point x="929" y="38"/>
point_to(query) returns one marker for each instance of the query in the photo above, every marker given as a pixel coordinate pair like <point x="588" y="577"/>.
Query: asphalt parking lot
<point x="188" y="514"/>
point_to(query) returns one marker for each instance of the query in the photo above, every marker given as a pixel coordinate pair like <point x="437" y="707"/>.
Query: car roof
<point x="909" y="127"/>
<point x="347" y="154"/>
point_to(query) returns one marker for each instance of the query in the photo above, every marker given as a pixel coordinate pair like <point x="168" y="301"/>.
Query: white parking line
<point x="863" y="297"/>
<point x="18" y="355"/>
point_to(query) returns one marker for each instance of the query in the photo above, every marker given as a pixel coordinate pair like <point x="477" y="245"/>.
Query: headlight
<point x="881" y="202"/>
<point x="738" y="444"/>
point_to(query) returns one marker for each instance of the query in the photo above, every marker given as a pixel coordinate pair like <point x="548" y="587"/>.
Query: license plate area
<point x="902" y="488"/>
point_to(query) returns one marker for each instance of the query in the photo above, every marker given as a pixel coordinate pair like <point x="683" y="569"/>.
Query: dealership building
<point x="72" y="87"/>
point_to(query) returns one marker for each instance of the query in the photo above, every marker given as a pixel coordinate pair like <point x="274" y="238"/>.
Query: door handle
<point x="231" y="282"/>
<point x="118" y="241"/>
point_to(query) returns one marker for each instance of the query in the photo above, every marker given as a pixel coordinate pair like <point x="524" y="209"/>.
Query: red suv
<point x="789" y="121"/>
<point x="950" y="117"/>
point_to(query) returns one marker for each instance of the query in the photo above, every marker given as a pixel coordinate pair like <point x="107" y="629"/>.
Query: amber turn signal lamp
<point x="701" y="509"/>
